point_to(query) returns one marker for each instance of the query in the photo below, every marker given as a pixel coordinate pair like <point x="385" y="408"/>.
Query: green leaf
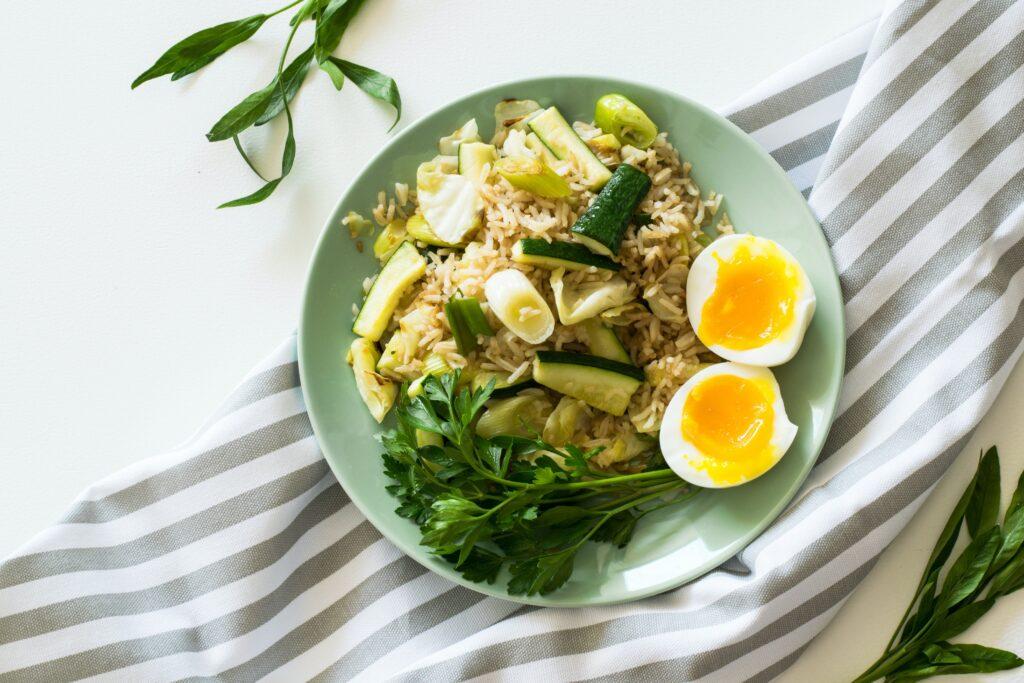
<point x="541" y="575"/>
<point x="287" y="159"/>
<point x="243" y="114"/>
<point x="618" y="530"/>
<point x="958" y="659"/>
<point x="331" y="25"/>
<point x="332" y="70"/>
<point x="1013" y="538"/>
<point x="480" y="565"/>
<point x="1017" y="499"/>
<point x="955" y="623"/>
<point x="292" y="77"/>
<point x="983" y="507"/>
<point x="1010" y="577"/>
<point x="373" y="83"/>
<point x="967" y="573"/>
<point x="199" y="49"/>
<point x="454" y="524"/>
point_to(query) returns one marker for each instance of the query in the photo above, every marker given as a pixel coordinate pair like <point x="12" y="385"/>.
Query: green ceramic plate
<point x="675" y="545"/>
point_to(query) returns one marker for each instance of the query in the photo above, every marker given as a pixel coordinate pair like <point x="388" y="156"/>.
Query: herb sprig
<point x="515" y="502"/>
<point x="331" y="18"/>
<point x="990" y="567"/>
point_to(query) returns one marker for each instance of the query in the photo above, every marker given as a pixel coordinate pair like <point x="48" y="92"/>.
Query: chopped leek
<point x="390" y="238"/>
<point x="519" y="306"/>
<point x="418" y="229"/>
<point x="578" y="302"/>
<point x="433" y="364"/>
<point x="377" y="392"/>
<point x="425" y="438"/>
<point x="604" y="144"/>
<point x="533" y="176"/>
<point x="523" y="415"/>
<point x="564" y="421"/>
<point x="619" y="116"/>
<point x="467" y="132"/>
<point x="466" y="320"/>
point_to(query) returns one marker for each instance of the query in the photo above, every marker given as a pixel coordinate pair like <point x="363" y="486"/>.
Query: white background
<point x="129" y="306"/>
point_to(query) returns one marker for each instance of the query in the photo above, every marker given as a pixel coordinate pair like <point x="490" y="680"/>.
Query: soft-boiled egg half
<point x="726" y="426"/>
<point x="749" y="300"/>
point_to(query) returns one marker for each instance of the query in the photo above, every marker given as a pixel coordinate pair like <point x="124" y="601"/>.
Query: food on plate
<point x="726" y="426"/>
<point x="749" y="300"/>
<point x="554" y="307"/>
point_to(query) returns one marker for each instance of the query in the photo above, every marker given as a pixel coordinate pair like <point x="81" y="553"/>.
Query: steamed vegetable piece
<point x="467" y="320"/>
<point x="602" y="341"/>
<point x="450" y="204"/>
<point x="474" y="158"/>
<point x="507" y="502"/>
<point x="467" y="132"/>
<point x="405" y="267"/>
<point x="603" y="225"/>
<point x="577" y="302"/>
<point x="433" y="365"/>
<point x="533" y="176"/>
<point x="389" y="239"/>
<point x="519" y="306"/>
<point x="418" y="229"/>
<point x="523" y="415"/>
<point x="511" y="115"/>
<point x="568" y="255"/>
<point x="599" y="382"/>
<point x="558" y="136"/>
<point x="563" y="421"/>
<point x="605" y="144"/>
<point x="402" y="345"/>
<point x="377" y="392"/>
<point x="617" y="115"/>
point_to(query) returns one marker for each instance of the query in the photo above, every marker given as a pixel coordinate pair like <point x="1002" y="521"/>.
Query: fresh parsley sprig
<point x="332" y="18"/>
<point x="515" y="502"/>
<point x="991" y="566"/>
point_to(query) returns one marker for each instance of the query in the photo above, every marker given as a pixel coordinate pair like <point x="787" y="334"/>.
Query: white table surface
<point x="130" y="307"/>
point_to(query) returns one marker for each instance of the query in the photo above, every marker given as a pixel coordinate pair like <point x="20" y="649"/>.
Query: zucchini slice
<point x="553" y="130"/>
<point x="599" y="382"/>
<point x="602" y="341"/>
<point x="405" y="267"/>
<point x="538" y="252"/>
<point x="377" y="392"/>
<point x="602" y="226"/>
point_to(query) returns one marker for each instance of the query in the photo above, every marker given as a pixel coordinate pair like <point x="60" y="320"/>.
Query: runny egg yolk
<point x="730" y="420"/>
<point x="754" y="298"/>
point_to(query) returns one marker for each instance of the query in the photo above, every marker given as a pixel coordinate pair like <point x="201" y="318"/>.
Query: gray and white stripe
<point x="237" y="556"/>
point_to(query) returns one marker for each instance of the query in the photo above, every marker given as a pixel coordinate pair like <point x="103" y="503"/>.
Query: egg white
<point x="686" y="459"/>
<point x="701" y="283"/>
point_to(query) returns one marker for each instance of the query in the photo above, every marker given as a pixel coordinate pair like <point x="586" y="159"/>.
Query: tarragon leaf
<point x="199" y="49"/>
<point x="983" y="508"/>
<point x="373" y="83"/>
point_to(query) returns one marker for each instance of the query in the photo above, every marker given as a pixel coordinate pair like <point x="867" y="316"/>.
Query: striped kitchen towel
<point x="237" y="556"/>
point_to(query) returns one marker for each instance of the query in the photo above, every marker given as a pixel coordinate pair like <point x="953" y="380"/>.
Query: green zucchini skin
<point x="603" y="225"/>
<point x="567" y="358"/>
<point x="513" y="389"/>
<point x="567" y="255"/>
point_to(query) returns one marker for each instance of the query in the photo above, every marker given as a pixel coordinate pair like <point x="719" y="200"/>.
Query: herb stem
<point x="283" y="9"/>
<point x="613" y="481"/>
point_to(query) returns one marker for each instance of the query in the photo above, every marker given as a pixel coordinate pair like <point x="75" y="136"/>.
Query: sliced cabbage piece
<point x="519" y="306"/>
<point x="564" y="421"/>
<point x="377" y="392"/>
<point x="577" y="302"/>
<point x="450" y="203"/>
<point x="511" y="115"/>
<point x="467" y="132"/>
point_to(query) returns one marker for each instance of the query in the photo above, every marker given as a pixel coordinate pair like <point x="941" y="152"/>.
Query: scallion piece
<point x="475" y="318"/>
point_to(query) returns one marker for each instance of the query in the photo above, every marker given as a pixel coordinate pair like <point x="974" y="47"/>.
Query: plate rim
<point x="493" y="590"/>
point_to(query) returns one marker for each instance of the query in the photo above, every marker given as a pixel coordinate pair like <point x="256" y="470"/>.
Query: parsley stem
<point x="614" y="481"/>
